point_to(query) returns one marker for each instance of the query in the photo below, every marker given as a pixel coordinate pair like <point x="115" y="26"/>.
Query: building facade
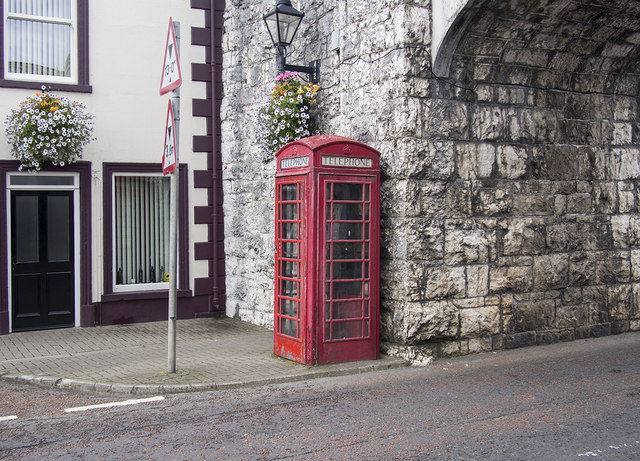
<point x="85" y="244"/>
<point x="510" y="162"/>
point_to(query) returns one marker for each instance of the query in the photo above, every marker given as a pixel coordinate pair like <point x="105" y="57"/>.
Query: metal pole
<point x="173" y="225"/>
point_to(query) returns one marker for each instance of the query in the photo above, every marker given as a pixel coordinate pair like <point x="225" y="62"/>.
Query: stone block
<point x="622" y="134"/>
<point x="620" y="302"/>
<point x="488" y="123"/>
<point x="475" y="161"/>
<point x="582" y="269"/>
<point x="550" y="272"/>
<point x="534" y="205"/>
<point x="447" y="119"/>
<point x="513" y="341"/>
<point x="468" y="246"/>
<point x="517" y="279"/>
<point x="605" y="198"/>
<point x="552" y="337"/>
<point x="533" y="315"/>
<point x="492" y="202"/>
<point x="579" y="204"/>
<point x="512" y="161"/>
<point x="627" y="202"/>
<point x="425" y="239"/>
<point x="582" y="132"/>
<point x="523" y="236"/>
<point x="430" y="283"/>
<point x="477" y="345"/>
<point x="571" y="236"/>
<point x="563" y="162"/>
<point x="625" y="231"/>
<point x="427" y="321"/>
<point x="613" y="267"/>
<point x="483" y="321"/>
<point x="399" y="198"/>
<point x="598" y="313"/>
<point x="532" y="126"/>
<point x="624" y="163"/>
<point x="572" y="316"/>
<point x="635" y="265"/>
<point x="477" y="280"/>
<point x="635" y="305"/>
<point x="458" y="200"/>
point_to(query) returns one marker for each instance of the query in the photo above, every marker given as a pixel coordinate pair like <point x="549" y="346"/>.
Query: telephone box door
<point x="349" y="320"/>
<point x="290" y="247"/>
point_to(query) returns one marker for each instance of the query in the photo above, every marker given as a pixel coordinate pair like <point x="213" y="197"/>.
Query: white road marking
<point x="8" y="418"/>
<point x="114" y="404"/>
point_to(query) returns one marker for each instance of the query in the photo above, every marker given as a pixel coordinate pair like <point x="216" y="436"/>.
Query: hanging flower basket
<point x="287" y="115"/>
<point x="48" y="129"/>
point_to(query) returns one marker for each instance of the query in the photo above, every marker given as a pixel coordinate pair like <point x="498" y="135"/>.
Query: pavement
<point x="211" y="354"/>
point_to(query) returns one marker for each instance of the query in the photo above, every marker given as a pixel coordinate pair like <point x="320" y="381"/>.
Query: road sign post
<point x="171" y="81"/>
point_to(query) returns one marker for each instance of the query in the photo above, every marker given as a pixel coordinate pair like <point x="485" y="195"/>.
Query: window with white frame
<point x="40" y="41"/>
<point x="140" y="231"/>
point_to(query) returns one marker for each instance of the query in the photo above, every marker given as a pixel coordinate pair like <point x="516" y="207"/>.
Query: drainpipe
<point x="215" y="152"/>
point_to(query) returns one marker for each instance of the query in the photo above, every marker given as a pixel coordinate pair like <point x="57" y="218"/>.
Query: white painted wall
<point x="444" y="13"/>
<point x="126" y="51"/>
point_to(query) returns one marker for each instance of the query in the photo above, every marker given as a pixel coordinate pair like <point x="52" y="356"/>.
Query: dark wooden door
<point x="42" y="260"/>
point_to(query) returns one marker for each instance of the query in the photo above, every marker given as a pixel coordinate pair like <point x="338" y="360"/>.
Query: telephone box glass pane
<point x="290" y="231"/>
<point x="289" y="211"/>
<point x="289" y="327"/>
<point x="347" y="211"/>
<point x="347" y="290"/>
<point x="346" y="191"/>
<point x="290" y="250"/>
<point x="347" y="310"/>
<point x="289" y="288"/>
<point x="347" y="231"/>
<point x="347" y="251"/>
<point x="345" y="330"/>
<point x="289" y="308"/>
<point x="289" y="192"/>
<point x="347" y="270"/>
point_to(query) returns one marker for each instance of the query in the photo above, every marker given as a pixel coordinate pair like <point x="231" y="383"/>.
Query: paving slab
<point x="211" y="354"/>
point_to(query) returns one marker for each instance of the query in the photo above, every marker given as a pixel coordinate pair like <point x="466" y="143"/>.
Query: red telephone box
<point x="327" y="251"/>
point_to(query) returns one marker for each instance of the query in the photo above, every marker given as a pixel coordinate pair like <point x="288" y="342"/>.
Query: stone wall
<point x="364" y="83"/>
<point x="509" y="202"/>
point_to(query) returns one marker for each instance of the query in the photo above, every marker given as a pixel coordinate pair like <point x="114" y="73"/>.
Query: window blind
<point x="141" y="229"/>
<point x="39" y="38"/>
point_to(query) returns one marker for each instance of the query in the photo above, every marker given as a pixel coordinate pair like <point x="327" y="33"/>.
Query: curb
<point x="148" y="389"/>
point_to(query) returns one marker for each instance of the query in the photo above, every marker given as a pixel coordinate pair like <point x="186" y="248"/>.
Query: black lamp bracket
<point x="313" y="69"/>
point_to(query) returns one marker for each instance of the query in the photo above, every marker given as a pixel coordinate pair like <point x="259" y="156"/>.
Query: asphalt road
<point x="566" y="401"/>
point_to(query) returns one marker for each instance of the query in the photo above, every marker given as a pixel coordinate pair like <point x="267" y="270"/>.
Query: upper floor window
<point x="45" y="42"/>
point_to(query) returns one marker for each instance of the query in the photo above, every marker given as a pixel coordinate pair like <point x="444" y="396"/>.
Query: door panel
<point x="42" y="275"/>
<point x="350" y="292"/>
<point x="289" y="313"/>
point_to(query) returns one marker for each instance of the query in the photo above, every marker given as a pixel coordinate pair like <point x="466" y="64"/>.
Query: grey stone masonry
<point x="510" y="190"/>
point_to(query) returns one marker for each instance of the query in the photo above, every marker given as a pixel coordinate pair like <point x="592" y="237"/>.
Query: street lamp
<point x="282" y="23"/>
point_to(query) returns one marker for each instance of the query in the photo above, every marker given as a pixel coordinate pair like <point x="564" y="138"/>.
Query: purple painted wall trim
<point x="210" y="143"/>
<point x="86" y="307"/>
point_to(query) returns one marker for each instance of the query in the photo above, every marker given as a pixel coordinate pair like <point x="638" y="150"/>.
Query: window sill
<point x="81" y="88"/>
<point x="141" y="295"/>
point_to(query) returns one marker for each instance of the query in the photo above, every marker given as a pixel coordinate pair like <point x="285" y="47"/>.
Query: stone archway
<point x="536" y="102"/>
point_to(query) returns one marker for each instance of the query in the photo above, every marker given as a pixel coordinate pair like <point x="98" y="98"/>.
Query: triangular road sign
<point x="170" y="154"/>
<point x="171" y="73"/>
